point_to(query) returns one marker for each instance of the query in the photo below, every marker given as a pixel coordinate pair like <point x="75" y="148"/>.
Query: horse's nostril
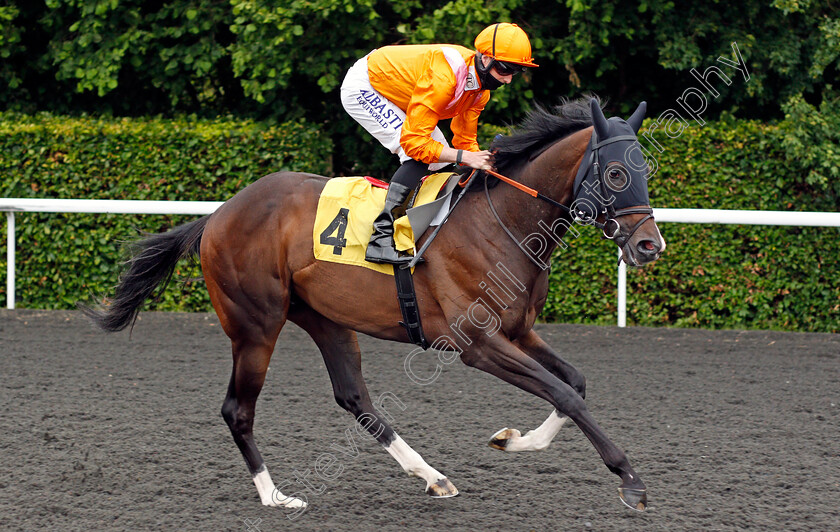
<point x="648" y="247"/>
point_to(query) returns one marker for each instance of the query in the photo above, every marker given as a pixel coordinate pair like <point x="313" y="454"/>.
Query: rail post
<point x="10" y="260"/>
<point x="622" y="291"/>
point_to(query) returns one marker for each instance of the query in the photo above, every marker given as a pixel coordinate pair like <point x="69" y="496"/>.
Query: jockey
<point x="400" y="93"/>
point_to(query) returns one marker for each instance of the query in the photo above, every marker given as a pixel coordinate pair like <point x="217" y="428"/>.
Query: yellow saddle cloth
<point x="344" y="220"/>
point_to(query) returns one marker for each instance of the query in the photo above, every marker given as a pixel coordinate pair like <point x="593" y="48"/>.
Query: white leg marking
<point x="271" y="496"/>
<point x="539" y="438"/>
<point x="412" y="463"/>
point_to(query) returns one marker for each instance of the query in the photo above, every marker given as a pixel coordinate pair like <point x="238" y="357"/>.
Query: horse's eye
<point x="617" y="179"/>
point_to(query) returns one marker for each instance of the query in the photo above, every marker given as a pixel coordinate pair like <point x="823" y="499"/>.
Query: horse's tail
<point x="152" y="264"/>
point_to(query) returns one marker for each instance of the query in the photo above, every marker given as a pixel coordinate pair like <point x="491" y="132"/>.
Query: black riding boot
<point x="381" y="248"/>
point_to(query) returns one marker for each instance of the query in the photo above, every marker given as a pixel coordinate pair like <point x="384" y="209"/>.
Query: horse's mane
<point x="540" y="128"/>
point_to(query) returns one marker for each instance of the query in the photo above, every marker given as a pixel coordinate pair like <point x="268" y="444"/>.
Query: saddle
<point x="348" y="206"/>
<point x="344" y="223"/>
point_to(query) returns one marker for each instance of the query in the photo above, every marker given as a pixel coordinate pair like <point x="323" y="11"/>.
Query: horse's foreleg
<point x="511" y="440"/>
<point x="342" y="357"/>
<point x="505" y="360"/>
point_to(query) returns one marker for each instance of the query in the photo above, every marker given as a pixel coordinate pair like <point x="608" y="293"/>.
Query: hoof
<point x="282" y="501"/>
<point x="294" y="502"/>
<point x="635" y="499"/>
<point x="500" y="439"/>
<point x="442" y="489"/>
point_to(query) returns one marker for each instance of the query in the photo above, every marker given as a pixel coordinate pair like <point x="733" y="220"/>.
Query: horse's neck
<point x="552" y="173"/>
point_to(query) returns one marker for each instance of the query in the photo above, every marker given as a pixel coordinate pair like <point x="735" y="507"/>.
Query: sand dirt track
<point x="730" y="430"/>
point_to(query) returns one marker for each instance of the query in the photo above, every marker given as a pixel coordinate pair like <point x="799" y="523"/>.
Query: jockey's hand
<point x="482" y="160"/>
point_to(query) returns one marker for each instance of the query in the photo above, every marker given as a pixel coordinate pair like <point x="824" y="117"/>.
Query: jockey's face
<point x="506" y="79"/>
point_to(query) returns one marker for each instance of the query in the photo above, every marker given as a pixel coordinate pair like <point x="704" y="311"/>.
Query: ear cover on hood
<point x="599" y="120"/>
<point x="635" y="120"/>
<point x="635" y="193"/>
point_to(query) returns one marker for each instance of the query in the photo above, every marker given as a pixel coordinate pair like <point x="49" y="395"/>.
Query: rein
<point x="611" y="214"/>
<point x="526" y="189"/>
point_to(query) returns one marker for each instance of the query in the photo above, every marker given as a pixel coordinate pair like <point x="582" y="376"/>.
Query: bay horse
<point x="256" y="256"/>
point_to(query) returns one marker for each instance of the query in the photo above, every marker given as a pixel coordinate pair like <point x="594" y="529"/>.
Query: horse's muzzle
<point x="642" y="252"/>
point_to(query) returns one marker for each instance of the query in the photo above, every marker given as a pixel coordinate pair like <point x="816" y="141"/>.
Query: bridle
<point x="610" y="227"/>
<point x="608" y="211"/>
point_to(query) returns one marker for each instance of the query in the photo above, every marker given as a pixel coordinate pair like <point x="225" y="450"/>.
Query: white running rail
<point x="13" y="205"/>
<point x="721" y="216"/>
<point x="693" y="216"/>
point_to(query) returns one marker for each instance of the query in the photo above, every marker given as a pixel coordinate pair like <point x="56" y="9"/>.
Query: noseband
<point x="610" y="228"/>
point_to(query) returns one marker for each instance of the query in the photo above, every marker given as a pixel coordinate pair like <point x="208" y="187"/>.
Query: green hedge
<point x="63" y="258"/>
<point x="716" y="276"/>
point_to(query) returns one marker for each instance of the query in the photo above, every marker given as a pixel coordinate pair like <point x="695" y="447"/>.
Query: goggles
<point x="507" y="69"/>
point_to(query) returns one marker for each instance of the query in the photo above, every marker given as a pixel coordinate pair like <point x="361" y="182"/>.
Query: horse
<point x="256" y="256"/>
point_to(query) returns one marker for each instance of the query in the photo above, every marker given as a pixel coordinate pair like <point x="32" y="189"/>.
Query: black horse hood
<point x="623" y="169"/>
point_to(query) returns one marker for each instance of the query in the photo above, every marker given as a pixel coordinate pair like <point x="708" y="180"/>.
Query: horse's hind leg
<point x="342" y="357"/>
<point x="252" y="317"/>
<point x="250" y="363"/>
<point x="511" y="440"/>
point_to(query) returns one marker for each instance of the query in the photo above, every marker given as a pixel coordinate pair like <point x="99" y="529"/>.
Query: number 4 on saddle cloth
<point x="348" y="206"/>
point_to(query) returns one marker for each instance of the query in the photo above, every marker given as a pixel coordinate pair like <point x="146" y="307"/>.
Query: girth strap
<point x="407" y="298"/>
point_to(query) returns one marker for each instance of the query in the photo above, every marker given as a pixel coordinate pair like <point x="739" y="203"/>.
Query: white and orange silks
<point x="400" y="93"/>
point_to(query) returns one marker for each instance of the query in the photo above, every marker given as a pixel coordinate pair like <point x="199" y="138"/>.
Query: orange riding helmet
<point x="509" y="51"/>
<point x="507" y="43"/>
